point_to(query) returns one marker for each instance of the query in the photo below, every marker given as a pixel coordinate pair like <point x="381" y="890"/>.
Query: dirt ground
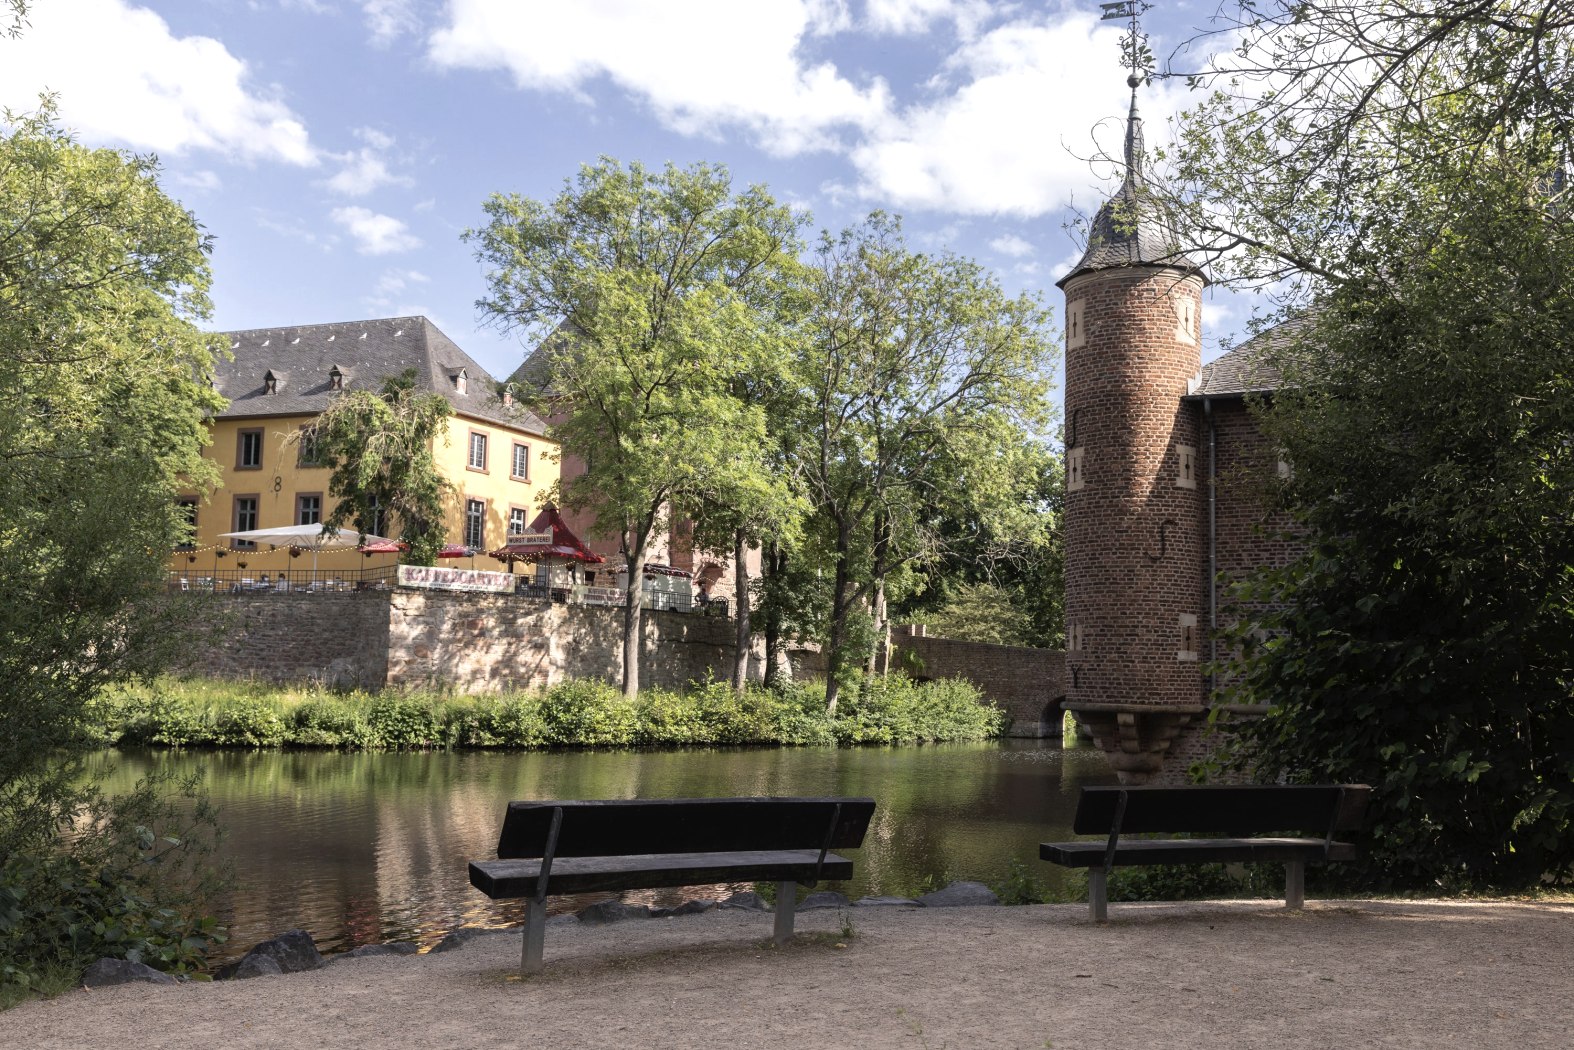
<point x="1171" y="976"/>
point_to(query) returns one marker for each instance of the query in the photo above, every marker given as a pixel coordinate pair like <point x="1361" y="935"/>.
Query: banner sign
<point x="530" y="539"/>
<point x="440" y="578"/>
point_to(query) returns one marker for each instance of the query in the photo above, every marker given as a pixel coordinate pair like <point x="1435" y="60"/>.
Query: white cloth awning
<point x="307" y="537"/>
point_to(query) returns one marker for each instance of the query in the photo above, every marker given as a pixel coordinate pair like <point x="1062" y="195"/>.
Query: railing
<point x="383" y="577"/>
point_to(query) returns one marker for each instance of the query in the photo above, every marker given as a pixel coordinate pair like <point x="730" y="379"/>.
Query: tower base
<point x="1135" y="736"/>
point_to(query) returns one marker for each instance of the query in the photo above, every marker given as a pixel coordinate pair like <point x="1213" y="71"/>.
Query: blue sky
<point x="337" y="149"/>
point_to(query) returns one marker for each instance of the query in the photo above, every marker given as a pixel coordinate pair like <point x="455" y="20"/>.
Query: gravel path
<point x="1171" y="976"/>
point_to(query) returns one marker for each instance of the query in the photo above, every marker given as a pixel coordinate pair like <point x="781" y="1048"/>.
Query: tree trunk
<point x="633" y="617"/>
<point x="770" y="568"/>
<point x="740" y="575"/>
<point x="833" y="643"/>
<point x="881" y="629"/>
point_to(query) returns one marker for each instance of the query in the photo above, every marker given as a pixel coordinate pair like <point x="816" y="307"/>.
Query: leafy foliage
<point x="581" y="713"/>
<point x="382" y="450"/>
<point x="1425" y="642"/>
<point x="104" y="385"/>
<point x="656" y="289"/>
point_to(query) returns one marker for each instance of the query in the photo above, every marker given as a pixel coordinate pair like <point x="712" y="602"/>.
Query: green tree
<point x="104" y="388"/>
<point x="1408" y="171"/>
<point x="382" y="450"/>
<point x="653" y="279"/>
<point x="923" y="380"/>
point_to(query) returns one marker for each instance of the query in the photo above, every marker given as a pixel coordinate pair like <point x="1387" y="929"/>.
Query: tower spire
<point x="1137" y="59"/>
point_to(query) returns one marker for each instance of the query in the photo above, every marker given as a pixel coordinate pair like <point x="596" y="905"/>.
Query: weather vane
<point x="1134" y="45"/>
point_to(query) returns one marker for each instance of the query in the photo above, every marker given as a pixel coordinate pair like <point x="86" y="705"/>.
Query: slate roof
<point x="1132" y="228"/>
<point x="1243" y="370"/>
<point x="535" y="372"/>
<point x="367" y="352"/>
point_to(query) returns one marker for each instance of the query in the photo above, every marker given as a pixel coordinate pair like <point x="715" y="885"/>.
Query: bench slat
<point x="500" y="879"/>
<point x="1193" y="851"/>
<point x="1238" y="809"/>
<point x="683" y="825"/>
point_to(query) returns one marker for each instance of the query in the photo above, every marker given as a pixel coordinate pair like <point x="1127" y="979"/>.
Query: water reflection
<point x="360" y="848"/>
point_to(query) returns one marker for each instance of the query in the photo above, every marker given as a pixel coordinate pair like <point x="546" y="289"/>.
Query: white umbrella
<point x="309" y="537"/>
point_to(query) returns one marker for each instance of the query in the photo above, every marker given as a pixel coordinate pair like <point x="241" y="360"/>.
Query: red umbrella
<point x="456" y="550"/>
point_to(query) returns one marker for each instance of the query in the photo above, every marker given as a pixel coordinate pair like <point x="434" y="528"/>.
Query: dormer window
<point x="508" y="396"/>
<point x="335" y="378"/>
<point x="270" y="382"/>
<point x="460" y="379"/>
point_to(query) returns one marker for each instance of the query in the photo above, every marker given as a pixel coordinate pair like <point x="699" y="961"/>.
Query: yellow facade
<point x="283" y="488"/>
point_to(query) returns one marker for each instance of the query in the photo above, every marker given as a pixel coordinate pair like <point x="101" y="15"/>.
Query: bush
<point x="403" y="723"/>
<point x="135" y="884"/>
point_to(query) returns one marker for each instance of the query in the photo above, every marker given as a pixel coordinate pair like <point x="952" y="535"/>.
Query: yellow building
<point x="494" y="453"/>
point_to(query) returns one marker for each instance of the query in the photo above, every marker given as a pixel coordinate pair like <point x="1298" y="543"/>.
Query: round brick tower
<point x="1135" y="499"/>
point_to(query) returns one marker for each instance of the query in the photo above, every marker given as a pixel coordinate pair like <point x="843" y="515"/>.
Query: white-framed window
<point x="1185" y="467"/>
<point x="521" y="465"/>
<point x="516" y="520"/>
<point x="475" y="523"/>
<point x="477" y="450"/>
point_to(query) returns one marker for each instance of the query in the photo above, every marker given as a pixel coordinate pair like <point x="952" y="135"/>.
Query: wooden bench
<point x="1256" y="820"/>
<point x="589" y="847"/>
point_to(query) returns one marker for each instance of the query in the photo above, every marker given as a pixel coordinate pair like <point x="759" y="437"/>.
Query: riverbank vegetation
<point x="217" y="714"/>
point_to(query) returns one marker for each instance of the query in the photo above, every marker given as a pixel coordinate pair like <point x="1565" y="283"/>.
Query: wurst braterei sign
<point x="530" y="539"/>
<point x="442" y="578"/>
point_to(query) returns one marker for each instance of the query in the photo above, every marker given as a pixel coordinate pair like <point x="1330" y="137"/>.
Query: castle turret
<point x="1134" y="527"/>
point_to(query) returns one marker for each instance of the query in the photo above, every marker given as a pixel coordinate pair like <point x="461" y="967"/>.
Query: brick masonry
<point x="469" y="642"/>
<point x="1027" y="683"/>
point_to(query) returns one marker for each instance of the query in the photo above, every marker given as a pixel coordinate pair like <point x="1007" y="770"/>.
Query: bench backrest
<point x="1322" y="809"/>
<point x="626" y="827"/>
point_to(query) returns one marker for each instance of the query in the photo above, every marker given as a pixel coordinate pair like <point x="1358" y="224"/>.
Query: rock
<point x="369" y="950"/>
<point x="463" y="936"/>
<point x="562" y="920"/>
<point x="106" y="972"/>
<point x="823" y="899"/>
<point x="747" y="899"/>
<point x="256" y="966"/>
<point x="886" y="902"/>
<point x="293" y="951"/>
<point x="612" y="911"/>
<point x="960" y="895"/>
<point x="694" y="907"/>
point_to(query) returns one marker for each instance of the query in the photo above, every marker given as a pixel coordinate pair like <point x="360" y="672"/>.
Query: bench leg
<point x="535" y="935"/>
<point x="1294" y="884"/>
<point x="1098" y="894"/>
<point x="786" y="903"/>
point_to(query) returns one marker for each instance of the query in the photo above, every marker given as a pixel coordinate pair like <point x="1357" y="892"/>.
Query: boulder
<point x="256" y="966"/>
<point x="694" y="907"/>
<point x="603" y="912"/>
<point x="886" y="902"/>
<point x="368" y="950"/>
<point x="823" y="899"/>
<point x="463" y="936"/>
<point x="747" y="899"/>
<point x="292" y="951"/>
<point x="106" y="972"/>
<point x="960" y="895"/>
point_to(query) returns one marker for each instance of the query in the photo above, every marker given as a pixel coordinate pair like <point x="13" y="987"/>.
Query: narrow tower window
<point x="1185" y="467"/>
<point x="1075" y="469"/>
<point x="1076" y="326"/>
<point x="1188" y="638"/>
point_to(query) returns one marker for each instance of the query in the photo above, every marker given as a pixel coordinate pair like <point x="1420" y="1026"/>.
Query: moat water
<point x="363" y="848"/>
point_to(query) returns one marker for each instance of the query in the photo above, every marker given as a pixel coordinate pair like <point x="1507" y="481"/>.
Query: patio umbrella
<point x="308" y="537"/>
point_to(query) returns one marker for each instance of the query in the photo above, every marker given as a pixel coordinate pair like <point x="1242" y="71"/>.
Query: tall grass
<point x="584" y="713"/>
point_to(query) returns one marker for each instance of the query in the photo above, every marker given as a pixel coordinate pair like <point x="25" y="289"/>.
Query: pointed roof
<point x="302" y="360"/>
<point x="565" y="545"/>
<point x="1132" y="228"/>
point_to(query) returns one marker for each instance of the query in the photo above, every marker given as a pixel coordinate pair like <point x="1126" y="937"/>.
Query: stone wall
<point x="471" y="642"/>
<point x="338" y="640"/>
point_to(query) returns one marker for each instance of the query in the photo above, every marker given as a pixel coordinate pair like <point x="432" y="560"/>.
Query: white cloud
<point x="719" y="64"/>
<point x="985" y="145"/>
<point x="364" y="169"/>
<point x="390" y="19"/>
<point x="394" y="281"/>
<point x="123" y="77"/>
<point x="1012" y="245"/>
<point x="907" y="17"/>
<point x="375" y="233"/>
<point x="202" y="181"/>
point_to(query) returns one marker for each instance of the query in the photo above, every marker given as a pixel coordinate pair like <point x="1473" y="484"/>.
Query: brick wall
<point x="1028" y="683"/>
<point x="1135" y="554"/>
<point x="469" y="642"/>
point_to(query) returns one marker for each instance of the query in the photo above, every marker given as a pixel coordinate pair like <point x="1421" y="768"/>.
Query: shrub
<point x="402" y="723"/>
<point x="589" y="713"/>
